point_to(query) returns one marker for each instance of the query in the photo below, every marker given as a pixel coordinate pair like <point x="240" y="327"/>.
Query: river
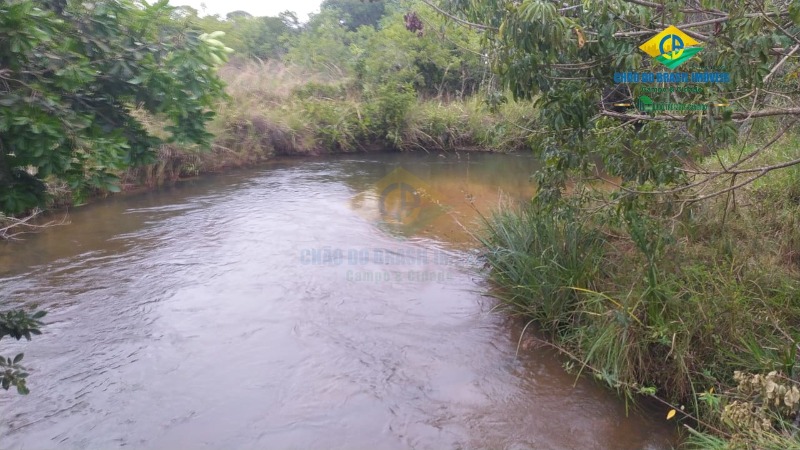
<point x="332" y="303"/>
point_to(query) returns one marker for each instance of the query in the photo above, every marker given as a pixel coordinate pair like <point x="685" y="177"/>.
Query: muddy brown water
<point x="307" y="304"/>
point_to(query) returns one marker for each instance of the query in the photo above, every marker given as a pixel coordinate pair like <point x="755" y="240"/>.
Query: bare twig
<point x="660" y="7"/>
<point x="738" y="116"/>
<point x="781" y="63"/>
<point x="11" y="227"/>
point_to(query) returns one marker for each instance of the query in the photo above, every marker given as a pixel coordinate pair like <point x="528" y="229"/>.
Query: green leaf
<point x="794" y="12"/>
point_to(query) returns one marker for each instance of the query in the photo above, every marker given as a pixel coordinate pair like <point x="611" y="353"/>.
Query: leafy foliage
<point x="355" y="14"/>
<point x="263" y="38"/>
<point x="72" y="74"/>
<point x="565" y="55"/>
<point x="17" y="324"/>
<point x="443" y="61"/>
<point x="666" y="306"/>
<point x="324" y="45"/>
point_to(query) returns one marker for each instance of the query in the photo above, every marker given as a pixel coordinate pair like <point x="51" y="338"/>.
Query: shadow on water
<point x="326" y="303"/>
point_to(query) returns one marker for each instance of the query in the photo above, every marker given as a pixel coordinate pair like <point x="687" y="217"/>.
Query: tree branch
<point x="459" y="20"/>
<point x="781" y="63"/>
<point x="716" y="174"/>
<point x="10" y="227"/>
<point x="660" y="7"/>
<point x="736" y="116"/>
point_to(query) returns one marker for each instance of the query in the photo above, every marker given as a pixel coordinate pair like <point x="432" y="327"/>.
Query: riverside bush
<point x="706" y="320"/>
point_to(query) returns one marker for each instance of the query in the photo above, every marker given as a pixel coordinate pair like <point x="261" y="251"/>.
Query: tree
<point x="356" y="13"/>
<point x="237" y="15"/>
<point x="290" y="19"/>
<point x="324" y="44"/>
<point x="565" y="54"/>
<point x="71" y="75"/>
<point x="184" y="12"/>
<point x="437" y="60"/>
<point x="265" y="37"/>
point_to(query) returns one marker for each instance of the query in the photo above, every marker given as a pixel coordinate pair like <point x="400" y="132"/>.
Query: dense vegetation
<point x="357" y="76"/>
<point x="74" y="74"/>
<point x="17" y="324"/>
<point x="681" y="280"/>
<point x="673" y="275"/>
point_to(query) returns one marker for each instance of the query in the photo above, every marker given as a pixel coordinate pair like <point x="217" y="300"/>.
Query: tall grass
<point x="724" y="298"/>
<point x="441" y="126"/>
<point x="542" y="261"/>
<point x="279" y="109"/>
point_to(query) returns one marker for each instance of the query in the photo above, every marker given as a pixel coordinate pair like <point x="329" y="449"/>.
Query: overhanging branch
<point x="673" y="118"/>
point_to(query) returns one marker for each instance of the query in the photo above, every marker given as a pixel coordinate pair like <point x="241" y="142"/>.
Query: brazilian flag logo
<point x="672" y="47"/>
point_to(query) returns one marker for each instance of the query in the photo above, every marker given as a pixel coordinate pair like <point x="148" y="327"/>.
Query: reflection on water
<point x="296" y="306"/>
<point x="442" y="197"/>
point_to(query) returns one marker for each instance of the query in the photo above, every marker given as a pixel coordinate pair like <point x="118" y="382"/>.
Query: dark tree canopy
<point x="357" y="13"/>
<point x="238" y="15"/>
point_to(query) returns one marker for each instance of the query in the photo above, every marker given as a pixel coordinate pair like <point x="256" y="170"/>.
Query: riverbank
<point x="718" y="301"/>
<point x="703" y="313"/>
<point x="278" y="109"/>
<point x="275" y="109"/>
<point x="215" y="276"/>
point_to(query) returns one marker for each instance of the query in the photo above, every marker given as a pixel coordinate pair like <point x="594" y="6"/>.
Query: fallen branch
<point x="11" y="227"/>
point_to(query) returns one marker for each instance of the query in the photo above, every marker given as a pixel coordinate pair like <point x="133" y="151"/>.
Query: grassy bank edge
<point x="275" y="109"/>
<point x="710" y="325"/>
